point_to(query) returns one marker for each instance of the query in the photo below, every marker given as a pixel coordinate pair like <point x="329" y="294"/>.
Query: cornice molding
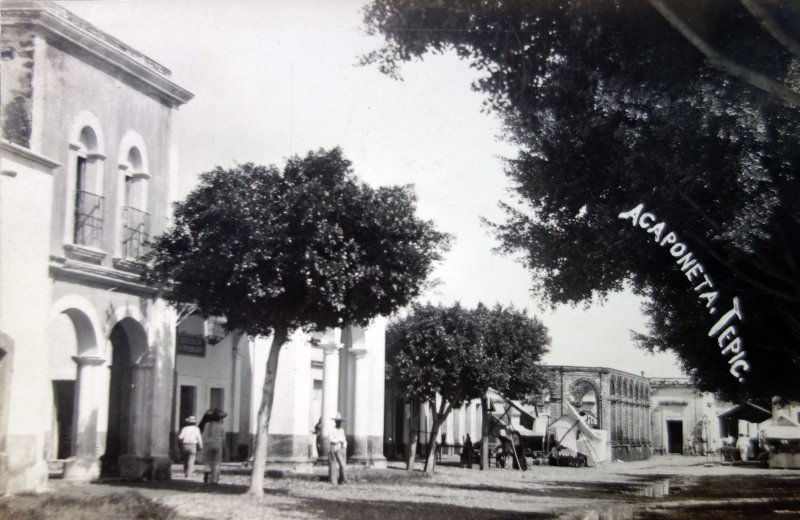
<point x="58" y="22"/>
<point x="68" y="269"/>
<point x="25" y="153"/>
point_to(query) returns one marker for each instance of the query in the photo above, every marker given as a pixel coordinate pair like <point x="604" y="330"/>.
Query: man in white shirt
<point x="191" y="441"/>
<point x="337" y="456"/>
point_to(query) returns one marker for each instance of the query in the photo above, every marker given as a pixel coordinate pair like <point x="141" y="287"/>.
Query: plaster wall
<point x="71" y="83"/>
<point x="25" y="189"/>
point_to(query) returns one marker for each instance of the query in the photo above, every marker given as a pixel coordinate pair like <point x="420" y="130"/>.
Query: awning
<point x="746" y="412"/>
<point x="526" y="419"/>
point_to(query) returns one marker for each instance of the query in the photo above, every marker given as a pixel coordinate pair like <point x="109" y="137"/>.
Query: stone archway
<point x="128" y="431"/>
<point x="584" y="396"/>
<point x="74" y="374"/>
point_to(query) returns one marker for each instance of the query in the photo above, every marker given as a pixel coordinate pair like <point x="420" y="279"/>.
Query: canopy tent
<point x="746" y="412"/>
<point x="500" y="405"/>
<point x="571" y="431"/>
<point x="780" y="428"/>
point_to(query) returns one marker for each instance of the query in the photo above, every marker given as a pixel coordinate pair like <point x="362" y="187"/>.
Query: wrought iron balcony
<point x="135" y="232"/>
<point x="89" y="219"/>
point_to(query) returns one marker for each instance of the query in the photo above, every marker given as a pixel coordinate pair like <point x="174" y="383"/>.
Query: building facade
<point x="615" y="401"/>
<point x="89" y="171"/>
<point x="319" y="375"/>
<point x="685" y="421"/>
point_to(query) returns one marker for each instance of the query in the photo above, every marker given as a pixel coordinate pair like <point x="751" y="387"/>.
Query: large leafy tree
<point x="445" y="356"/>
<point x="688" y="108"/>
<point x="309" y="247"/>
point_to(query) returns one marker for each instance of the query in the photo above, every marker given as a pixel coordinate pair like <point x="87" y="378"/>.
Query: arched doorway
<point x="128" y="424"/>
<point x="584" y="398"/>
<point x="71" y="338"/>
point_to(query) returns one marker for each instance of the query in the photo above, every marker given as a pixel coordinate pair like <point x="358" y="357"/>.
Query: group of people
<point x="208" y="436"/>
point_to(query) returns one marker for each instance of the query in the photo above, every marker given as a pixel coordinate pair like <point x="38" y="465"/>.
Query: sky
<point x="276" y="78"/>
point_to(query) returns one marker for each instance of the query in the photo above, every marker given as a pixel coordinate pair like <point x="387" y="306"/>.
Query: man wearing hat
<point x="337" y="456"/>
<point x="214" y="439"/>
<point x="191" y="441"/>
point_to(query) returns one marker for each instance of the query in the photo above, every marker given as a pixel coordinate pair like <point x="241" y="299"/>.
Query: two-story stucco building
<point x="89" y="170"/>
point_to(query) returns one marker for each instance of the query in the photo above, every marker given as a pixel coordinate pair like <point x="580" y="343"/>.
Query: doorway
<point x="675" y="437"/>
<point x="188" y="402"/>
<point x="64" y="402"/>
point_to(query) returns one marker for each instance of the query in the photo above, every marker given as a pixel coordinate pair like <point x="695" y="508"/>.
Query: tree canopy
<point x="308" y="247"/>
<point x="614" y="103"/>
<point x="450" y="355"/>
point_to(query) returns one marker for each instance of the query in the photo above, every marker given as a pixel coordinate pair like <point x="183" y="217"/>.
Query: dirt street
<point x="663" y="487"/>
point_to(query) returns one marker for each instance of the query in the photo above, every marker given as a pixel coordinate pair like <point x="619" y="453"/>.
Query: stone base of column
<point x="134" y="467"/>
<point x="3" y="473"/>
<point x="81" y="469"/>
<point x="160" y="467"/>
<point x="20" y="468"/>
<point x="290" y="465"/>
<point x="365" y="452"/>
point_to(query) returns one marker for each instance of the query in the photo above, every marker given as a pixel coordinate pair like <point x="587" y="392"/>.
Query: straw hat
<point x="191" y="420"/>
<point x="338" y="417"/>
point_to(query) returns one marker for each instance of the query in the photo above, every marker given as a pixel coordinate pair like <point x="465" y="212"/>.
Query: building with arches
<point x="88" y="171"/>
<point x="89" y="168"/>
<point x="615" y="401"/>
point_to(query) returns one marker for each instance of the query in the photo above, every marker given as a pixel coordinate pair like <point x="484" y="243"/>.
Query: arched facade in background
<point x="621" y="402"/>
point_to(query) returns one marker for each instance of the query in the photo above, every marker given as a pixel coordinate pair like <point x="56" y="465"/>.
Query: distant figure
<point x="337" y="456"/>
<point x="742" y="444"/>
<point x="213" y="439"/>
<point x="318" y="436"/>
<point x="191" y="441"/>
<point x="466" y="453"/>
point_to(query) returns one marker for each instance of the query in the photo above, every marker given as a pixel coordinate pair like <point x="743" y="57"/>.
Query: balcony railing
<point x="89" y="219"/>
<point x="135" y="232"/>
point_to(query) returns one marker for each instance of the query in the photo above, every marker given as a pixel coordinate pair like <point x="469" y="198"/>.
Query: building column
<point x="133" y="458"/>
<point x="236" y="395"/>
<point x="330" y="393"/>
<point x="84" y="465"/>
<point x="361" y="408"/>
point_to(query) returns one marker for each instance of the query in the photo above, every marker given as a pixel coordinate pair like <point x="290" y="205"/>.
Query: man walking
<point x="337" y="456"/>
<point x="191" y="441"/>
<point x="742" y="443"/>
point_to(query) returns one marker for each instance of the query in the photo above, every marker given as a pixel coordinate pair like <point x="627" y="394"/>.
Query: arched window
<point x="613" y="387"/>
<point x="134" y="228"/>
<point x="88" y="205"/>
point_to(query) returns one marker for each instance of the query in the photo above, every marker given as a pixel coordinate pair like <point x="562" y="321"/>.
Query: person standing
<point x="318" y="438"/>
<point x="213" y="439"/>
<point x="742" y="444"/>
<point x="191" y="441"/>
<point x="337" y="456"/>
<point x="466" y="457"/>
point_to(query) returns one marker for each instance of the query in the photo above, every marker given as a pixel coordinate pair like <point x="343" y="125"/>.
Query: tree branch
<point x="763" y="264"/>
<point x="772" y="27"/>
<point x="748" y="279"/>
<point x="718" y="61"/>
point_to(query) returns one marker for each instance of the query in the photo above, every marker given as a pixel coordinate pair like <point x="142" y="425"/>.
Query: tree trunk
<point x="438" y="419"/>
<point x="484" y="432"/>
<point x="414" y="436"/>
<point x="264" y="412"/>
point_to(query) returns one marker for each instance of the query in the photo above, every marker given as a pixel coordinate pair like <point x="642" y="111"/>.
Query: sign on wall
<point x="193" y="345"/>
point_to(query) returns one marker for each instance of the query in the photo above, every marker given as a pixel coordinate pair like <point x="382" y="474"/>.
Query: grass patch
<point x="119" y="506"/>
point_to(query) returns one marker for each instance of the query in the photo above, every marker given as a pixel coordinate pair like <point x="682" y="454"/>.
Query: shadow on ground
<point x="388" y="510"/>
<point x="186" y="486"/>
